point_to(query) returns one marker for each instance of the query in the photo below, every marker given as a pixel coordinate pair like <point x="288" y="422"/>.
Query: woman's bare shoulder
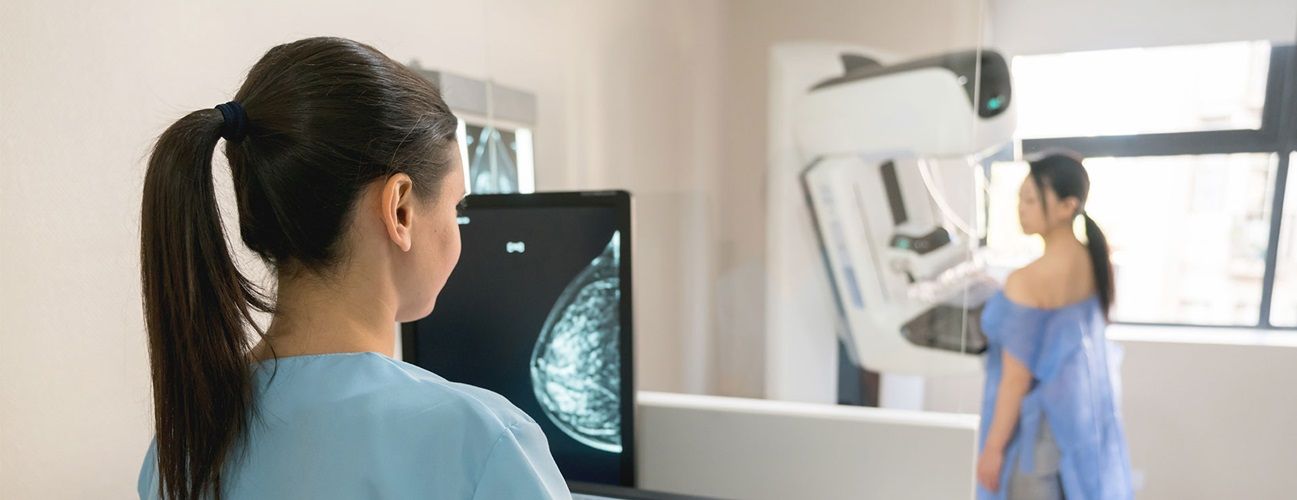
<point x="1024" y="286"/>
<point x="1048" y="284"/>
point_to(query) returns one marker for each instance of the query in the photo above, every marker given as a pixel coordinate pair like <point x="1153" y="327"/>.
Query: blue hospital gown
<point x="363" y="425"/>
<point x="1074" y="391"/>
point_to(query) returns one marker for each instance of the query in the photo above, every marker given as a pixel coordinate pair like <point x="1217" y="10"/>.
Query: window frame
<point x="1277" y="135"/>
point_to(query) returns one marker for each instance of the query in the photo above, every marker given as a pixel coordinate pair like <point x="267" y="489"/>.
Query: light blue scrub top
<point x="1074" y="391"/>
<point x="363" y="425"/>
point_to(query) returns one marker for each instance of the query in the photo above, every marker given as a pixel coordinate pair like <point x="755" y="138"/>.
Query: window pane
<point x="1188" y="234"/>
<point x="1136" y="91"/>
<point x="1283" y="307"/>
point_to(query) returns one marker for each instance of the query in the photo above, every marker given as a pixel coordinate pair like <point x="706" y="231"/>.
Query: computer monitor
<point x="539" y="311"/>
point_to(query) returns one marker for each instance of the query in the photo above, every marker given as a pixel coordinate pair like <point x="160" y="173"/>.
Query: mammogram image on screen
<point x="575" y="366"/>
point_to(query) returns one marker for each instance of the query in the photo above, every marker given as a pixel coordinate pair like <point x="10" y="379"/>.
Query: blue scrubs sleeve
<point x="519" y="467"/>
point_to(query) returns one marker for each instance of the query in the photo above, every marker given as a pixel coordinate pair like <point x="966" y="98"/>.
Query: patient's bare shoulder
<point x="1024" y="285"/>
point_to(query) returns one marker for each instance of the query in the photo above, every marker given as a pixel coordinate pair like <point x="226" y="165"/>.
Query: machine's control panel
<point x="921" y="245"/>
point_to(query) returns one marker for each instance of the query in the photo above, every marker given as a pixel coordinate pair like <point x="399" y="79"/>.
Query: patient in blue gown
<point x="1051" y="423"/>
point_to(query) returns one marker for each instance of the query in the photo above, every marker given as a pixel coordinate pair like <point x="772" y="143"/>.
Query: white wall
<point x="1212" y="418"/>
<point x="1208" y="413"/>
<point x="1053" y="26"/>
<point x="627" y="99"/>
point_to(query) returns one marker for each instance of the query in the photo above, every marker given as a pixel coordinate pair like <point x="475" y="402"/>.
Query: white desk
<point x="760" y="449"/>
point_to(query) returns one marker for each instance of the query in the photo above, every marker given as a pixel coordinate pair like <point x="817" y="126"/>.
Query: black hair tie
<point x="235" y="127"/>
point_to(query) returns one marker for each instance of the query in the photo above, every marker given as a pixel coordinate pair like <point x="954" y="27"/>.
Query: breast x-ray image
<point x="534" y="312"/>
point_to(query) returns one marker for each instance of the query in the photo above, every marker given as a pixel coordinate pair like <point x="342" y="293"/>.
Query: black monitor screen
<point x="538" y="310"/>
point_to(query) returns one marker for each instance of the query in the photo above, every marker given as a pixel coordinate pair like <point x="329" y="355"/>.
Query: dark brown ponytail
<point x="195" y="306"/>
<point x="324" y="118"/>
<point x="1102" y="261"/>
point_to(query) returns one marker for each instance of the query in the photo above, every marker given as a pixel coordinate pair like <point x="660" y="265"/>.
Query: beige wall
<point x="626" y="94"/>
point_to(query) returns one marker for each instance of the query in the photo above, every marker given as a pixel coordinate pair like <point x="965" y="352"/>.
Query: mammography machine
<point x="885" y="160"/>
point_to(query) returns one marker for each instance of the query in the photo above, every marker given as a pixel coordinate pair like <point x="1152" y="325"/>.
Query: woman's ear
<point x="1070" y="205"/>
<point x="398" y="210"/>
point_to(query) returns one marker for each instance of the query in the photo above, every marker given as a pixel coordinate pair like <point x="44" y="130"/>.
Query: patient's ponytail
<point x="1097" y="244"/>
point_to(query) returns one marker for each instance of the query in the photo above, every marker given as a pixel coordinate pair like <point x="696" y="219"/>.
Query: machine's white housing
<point x="923" y="113"/>
<point x="870" y="278"/>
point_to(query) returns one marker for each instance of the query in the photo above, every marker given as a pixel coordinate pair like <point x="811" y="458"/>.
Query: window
<point x="1283" y="313"/>
<point x="1189" y="151"/>
<point x="1140" y="91"/>
<point x="1188" y="234"/>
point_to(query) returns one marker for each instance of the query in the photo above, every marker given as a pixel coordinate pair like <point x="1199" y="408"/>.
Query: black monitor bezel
<point x="621" y="202"/>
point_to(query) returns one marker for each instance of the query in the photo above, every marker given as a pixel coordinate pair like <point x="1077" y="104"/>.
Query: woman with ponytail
<point x="1051" y="428"/>
<point x="346" y="180"/>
